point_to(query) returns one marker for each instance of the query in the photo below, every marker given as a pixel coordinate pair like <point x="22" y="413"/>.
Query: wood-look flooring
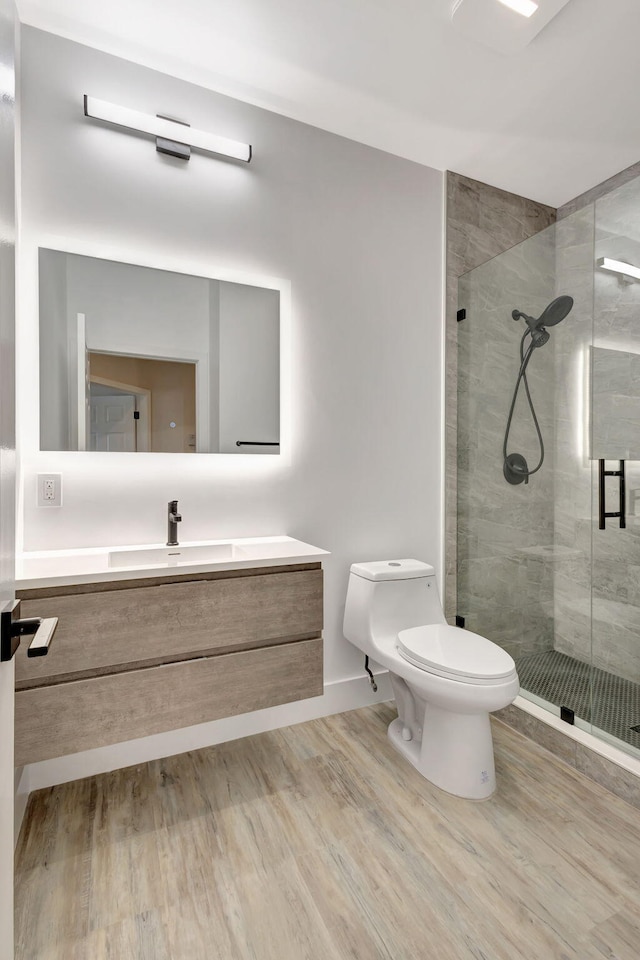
<point x="318" y="842"/>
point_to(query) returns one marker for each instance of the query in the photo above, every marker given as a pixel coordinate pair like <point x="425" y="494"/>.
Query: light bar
<point x="168" y="132"/>
<point x="619" y="267"/>
<point x="524" y="7"/>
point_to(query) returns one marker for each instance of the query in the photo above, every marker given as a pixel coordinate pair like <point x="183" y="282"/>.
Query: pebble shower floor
<point x="609" y="702"/>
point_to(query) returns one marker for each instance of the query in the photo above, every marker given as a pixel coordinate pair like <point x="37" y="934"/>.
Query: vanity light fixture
<point x="624" y="270"/>
<point x="173" y="137"/>
<point x="525" y="7"/>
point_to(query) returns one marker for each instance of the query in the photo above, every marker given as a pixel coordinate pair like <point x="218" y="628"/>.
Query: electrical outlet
<point x="49" y="490"/>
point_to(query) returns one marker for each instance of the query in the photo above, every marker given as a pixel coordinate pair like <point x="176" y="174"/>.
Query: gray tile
<point x="608" y="774"/>
<point x="544" y="735"/>
<point x="482" y="222"/>
<point x="630" y="173"/>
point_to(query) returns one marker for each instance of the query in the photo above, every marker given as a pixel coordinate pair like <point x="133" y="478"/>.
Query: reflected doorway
<point x="141" y="404"/>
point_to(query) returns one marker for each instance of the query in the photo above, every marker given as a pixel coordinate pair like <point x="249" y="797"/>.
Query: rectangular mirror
<point x="615" y="404"/>
<point x="138" y="359"/>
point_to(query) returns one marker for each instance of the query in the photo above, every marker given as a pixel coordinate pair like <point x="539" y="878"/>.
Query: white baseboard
<point x="338" y="697"/>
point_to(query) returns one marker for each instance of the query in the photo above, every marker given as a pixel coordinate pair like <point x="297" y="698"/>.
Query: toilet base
<point x="455" y="754"/>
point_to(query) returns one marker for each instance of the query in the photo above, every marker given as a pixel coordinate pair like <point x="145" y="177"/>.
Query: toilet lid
<point x="458" y="652"/>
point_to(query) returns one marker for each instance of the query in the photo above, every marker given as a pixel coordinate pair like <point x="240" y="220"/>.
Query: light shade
<point x="525" y="7"/>
<point x="619" y="267"/>
<point x="167" y="130"/>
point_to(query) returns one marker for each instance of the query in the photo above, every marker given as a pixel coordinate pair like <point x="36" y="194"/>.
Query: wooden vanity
<point x="134" y="657"/>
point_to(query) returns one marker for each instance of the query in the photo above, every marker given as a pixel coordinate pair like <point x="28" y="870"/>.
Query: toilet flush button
<point x="394" y="563"/>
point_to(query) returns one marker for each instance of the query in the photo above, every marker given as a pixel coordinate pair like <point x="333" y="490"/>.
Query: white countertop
<point x="56" y="568"/>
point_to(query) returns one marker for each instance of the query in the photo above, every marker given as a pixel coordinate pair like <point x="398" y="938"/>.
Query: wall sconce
<point x="173" y="137"/>
<point x="626" y="271"/>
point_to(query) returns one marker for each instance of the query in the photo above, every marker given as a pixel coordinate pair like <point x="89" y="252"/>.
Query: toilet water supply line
<point x="372" y="680"/>
<point x="403" y="697"/>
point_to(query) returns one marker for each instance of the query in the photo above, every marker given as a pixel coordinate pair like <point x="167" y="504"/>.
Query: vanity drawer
<point x="65" y="718"/>
<point x="126" y="625"/>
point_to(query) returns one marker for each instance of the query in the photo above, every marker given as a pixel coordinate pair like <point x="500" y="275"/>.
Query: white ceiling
<point x="548" y="122"/>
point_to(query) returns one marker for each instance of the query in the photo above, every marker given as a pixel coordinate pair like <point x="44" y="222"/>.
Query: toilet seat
<point x="454" y="653"/>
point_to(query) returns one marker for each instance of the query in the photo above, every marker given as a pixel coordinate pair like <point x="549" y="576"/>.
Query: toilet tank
<point x="386" y="596"/>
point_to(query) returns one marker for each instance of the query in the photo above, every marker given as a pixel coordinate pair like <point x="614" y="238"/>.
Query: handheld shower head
<point x="552" y="314"/>
<point x="557" y="310"/>
<point x="539" y="336"/>
<point x="515" y="467"/>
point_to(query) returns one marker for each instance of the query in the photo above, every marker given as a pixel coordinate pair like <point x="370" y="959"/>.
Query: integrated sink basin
<point x="149" y="556"/>
<point x="95" y="564"/>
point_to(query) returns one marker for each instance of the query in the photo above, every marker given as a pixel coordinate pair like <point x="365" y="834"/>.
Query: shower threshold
<point x="599" y="699"/>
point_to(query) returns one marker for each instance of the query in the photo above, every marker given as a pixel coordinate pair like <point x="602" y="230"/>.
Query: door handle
<point x="12" y="629"/>
<point x="620" y="513"/>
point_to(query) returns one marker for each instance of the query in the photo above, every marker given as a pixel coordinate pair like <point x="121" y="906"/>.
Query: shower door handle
<point x="603" y="513"/>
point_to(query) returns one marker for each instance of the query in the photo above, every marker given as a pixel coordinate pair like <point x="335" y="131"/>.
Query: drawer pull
<point x="12" y="629"/>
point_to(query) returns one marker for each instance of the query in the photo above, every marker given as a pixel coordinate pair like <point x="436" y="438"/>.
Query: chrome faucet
<point x="174" y="519"/>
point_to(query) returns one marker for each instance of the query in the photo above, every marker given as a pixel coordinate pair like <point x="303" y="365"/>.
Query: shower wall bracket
<point x="604" y="515"/>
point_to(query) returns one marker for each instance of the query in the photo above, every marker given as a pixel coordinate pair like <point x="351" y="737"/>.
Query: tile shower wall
<point x="506" y="553"/>
<point x="482" y="221"/>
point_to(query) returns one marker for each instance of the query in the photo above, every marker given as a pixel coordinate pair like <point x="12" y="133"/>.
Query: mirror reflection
<point x="138" y="359"/>
<point x="615" y="404"/>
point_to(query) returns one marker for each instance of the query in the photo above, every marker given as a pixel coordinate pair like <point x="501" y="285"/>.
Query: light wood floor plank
<point x="318" y="842"/>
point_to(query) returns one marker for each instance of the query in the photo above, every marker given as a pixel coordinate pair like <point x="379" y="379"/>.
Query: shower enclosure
<point x="549" y="559"/>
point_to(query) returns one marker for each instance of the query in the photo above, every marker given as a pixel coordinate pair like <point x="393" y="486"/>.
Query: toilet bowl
<point x="445" y="680"/>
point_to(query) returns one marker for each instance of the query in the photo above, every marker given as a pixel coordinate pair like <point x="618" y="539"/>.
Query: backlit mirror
<point x="138" y="359"/>
<point x="615" y="404"/>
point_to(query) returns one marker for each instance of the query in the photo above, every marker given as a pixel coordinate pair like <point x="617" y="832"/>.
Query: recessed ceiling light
<point x="507" y="26"/>
<point x="525" y="7"/>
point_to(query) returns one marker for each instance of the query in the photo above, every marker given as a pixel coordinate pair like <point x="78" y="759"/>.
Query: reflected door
<point x="79" y="389"/>
<point x="113" y="425"/>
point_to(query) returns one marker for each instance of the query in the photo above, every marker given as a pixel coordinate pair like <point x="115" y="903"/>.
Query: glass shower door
<point x="524" y="548"/>
<point x="615" y="456"/>
<point x="505" y="543"/>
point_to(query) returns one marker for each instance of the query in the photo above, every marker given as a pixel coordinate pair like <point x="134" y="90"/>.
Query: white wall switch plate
<point x="49" y="489"/>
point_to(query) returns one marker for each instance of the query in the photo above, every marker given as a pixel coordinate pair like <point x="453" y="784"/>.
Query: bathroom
<point x="354" y="237"/>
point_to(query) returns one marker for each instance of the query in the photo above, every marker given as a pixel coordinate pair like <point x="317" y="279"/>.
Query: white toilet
<point x="445" y="680"/>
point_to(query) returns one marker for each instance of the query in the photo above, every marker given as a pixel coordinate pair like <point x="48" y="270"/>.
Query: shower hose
<point x="525" y="356"/>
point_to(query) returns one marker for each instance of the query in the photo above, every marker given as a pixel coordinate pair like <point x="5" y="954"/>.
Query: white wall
<point x="357" y="232"/>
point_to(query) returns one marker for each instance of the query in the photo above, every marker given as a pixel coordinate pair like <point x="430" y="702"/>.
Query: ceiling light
<point x="620" y="267"/>
<point x="507" y="26"/>
<point x="172" y="136"/>
<point x="525" y="7"/>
